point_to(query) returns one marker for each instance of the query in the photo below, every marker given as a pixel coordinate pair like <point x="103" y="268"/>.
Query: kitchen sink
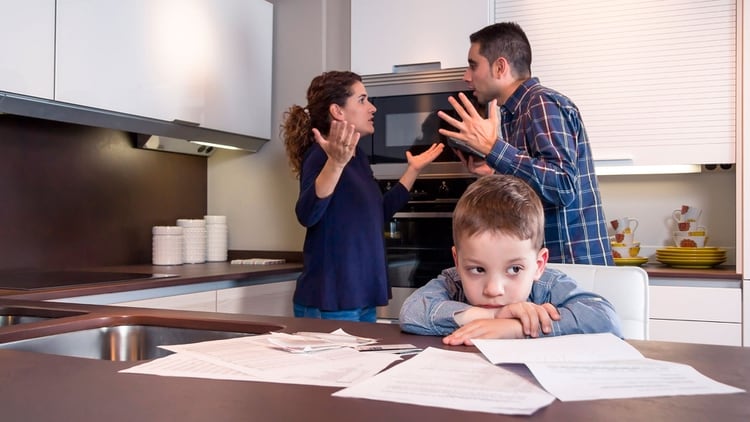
<point x="14" y="315"/>
<point x="131" y="342"/>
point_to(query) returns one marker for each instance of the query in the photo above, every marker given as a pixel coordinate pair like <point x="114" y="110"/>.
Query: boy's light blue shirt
<point x="430" y="309"/>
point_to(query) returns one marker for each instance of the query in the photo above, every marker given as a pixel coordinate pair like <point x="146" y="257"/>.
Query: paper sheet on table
<point x="256" y="359"/>
<point x="570" y="348"/>
<point x="598" y="366"/>
<point x="454" y="380"/>
<point x="572" y="381"/>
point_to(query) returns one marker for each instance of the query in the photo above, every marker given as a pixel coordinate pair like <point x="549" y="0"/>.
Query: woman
<point x="340" y="203"/>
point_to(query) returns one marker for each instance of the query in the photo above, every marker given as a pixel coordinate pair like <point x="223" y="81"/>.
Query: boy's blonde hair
<point x="500" y="204"/>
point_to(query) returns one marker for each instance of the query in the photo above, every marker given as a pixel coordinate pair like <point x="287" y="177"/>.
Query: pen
<point x="394" y="348"/>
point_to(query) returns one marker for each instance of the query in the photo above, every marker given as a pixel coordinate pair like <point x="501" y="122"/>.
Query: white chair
<point x="626" y="288"/>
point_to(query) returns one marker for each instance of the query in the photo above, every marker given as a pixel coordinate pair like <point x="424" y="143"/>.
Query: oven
<point x="419" y="237"/>
<point x="406" y="120"/>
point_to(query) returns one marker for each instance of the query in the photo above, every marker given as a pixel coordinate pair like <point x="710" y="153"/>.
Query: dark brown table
<point x="38" y="387"/>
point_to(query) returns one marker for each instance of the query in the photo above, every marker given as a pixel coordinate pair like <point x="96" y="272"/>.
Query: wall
<point x="81" y="196"/>
<point x="652" y="198"/>
<point x="257" y="192"/>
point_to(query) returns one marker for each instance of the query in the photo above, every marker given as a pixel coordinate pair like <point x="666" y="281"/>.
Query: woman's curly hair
<point x="332" y="87"/>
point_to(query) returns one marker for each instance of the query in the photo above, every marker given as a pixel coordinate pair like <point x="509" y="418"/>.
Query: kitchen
<point x="257" y="191"/>
<point x="138" y="188"/>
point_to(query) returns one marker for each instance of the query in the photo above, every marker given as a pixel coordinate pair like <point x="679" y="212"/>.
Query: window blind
<point x="643" y="72"/>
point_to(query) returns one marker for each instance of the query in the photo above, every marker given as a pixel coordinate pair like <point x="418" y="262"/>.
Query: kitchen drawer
<point x="695" y="303"/>
<point x="728" y="334"/>
<point x="260" y="299"/>
<point x="200" y="301"/>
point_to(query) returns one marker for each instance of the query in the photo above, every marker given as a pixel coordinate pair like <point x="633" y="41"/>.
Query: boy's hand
<point x="485" y="328"/>
<point x="516" y="320"/>
<point x="533" y="317"/>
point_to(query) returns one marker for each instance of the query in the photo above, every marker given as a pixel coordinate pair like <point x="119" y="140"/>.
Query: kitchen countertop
<point x="37" y="386"/>
<point x="217" y="271"/>
<point x="185" y="274"/>
<point x="724" y="272"/>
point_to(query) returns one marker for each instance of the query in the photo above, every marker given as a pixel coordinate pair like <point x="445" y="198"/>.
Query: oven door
<point x="418" y="247"/>
<point x="409" y="123"/>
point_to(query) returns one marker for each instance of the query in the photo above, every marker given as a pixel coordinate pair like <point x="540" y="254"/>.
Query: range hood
<point x="173" y="136"/>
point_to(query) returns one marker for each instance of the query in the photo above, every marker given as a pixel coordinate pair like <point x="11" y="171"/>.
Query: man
<point x="543" y="142"/>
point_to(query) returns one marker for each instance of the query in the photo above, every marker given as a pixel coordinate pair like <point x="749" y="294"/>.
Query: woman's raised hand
<point x="420" y="161"/>
<point x="340" y="143"/>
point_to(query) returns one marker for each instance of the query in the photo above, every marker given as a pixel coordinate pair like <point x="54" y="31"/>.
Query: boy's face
<point x="497" y="269"/>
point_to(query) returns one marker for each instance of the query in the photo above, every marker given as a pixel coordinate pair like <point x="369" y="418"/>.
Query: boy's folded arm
<point x="473" y="313"/>
<point x="587" y="315"/>
<point x="429" y="317"/>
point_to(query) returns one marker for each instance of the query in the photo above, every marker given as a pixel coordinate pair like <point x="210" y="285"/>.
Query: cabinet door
<point x="385" y="33"/>
<point x="238" y="92"/>
<point x="695" y="303"/>
<point x="261" y="299"/>
<point x="27" y="47"/>
<point x="711" y="315"/>
<point x="727" y="334"/>
<point x="203" y="62"/>
<point x="200" y="301"/>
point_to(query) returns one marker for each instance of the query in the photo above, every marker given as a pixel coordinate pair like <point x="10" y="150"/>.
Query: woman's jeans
<point x="361" y="314"/>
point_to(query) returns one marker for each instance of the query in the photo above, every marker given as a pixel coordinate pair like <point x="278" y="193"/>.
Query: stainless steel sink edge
<point x="116" y="334"/>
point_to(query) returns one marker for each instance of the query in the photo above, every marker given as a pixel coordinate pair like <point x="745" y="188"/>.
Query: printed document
<point x="599" y="366"/>
<point x="257" y="358"/>
<point x="454" y="380"/>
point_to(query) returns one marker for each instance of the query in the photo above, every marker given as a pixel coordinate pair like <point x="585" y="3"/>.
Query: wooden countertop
<point x="725" y="272"/>
<point x="38" y="387"/>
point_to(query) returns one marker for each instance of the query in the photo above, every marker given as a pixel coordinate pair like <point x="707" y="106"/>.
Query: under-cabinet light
<point x="609" y="169"/>
<point x="209" y="144"/>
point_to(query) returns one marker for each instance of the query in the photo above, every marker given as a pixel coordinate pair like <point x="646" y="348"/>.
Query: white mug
<point x="686" y="213"/>
<point x="625" y="225"/>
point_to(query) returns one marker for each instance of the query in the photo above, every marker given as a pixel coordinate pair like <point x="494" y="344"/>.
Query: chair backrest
<point x="626" y="288"/>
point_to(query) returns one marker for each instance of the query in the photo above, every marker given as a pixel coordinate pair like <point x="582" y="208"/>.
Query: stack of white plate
<point x="680" y="257"/>
<point x="166" y="245"/>
<point x="194" y="240"/>
<point x="217" y="238"/>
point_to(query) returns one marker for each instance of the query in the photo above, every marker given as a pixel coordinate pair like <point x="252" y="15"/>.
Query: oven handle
<point x="444" y="214"/>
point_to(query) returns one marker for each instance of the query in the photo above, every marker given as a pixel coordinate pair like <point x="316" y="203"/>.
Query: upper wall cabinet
<point x="27" y="47"/>
<point x="631" y="69"/>
<point x="388" y="33"/>
<point x="206" y="63"/>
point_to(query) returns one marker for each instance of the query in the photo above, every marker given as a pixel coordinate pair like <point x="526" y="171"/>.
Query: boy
<point x="499" y="287"/>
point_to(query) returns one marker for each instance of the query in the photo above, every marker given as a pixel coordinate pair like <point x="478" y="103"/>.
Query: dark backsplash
<point x="76" y="196"/>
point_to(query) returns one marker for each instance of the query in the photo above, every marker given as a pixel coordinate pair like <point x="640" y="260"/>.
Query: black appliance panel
<point x="410" y="123"/>
<point x="419" y="238"/>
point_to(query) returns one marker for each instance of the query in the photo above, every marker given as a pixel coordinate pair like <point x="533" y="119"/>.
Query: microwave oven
<point x="406" y="120"/>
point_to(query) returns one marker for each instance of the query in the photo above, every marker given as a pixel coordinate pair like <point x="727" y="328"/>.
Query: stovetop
<point x="34" y="280"/>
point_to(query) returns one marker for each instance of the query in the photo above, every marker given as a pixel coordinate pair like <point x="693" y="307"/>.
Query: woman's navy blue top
<point x="344" y="253"/>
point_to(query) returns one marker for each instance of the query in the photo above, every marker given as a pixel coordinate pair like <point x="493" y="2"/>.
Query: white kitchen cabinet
<point x="260" y="299"/>
<point x="200" y="301"/>
<point x="695" y="314"/>
<point x="386" y="33"/>
<point x="27" y="47"/>
<point x="201" y="62"/>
